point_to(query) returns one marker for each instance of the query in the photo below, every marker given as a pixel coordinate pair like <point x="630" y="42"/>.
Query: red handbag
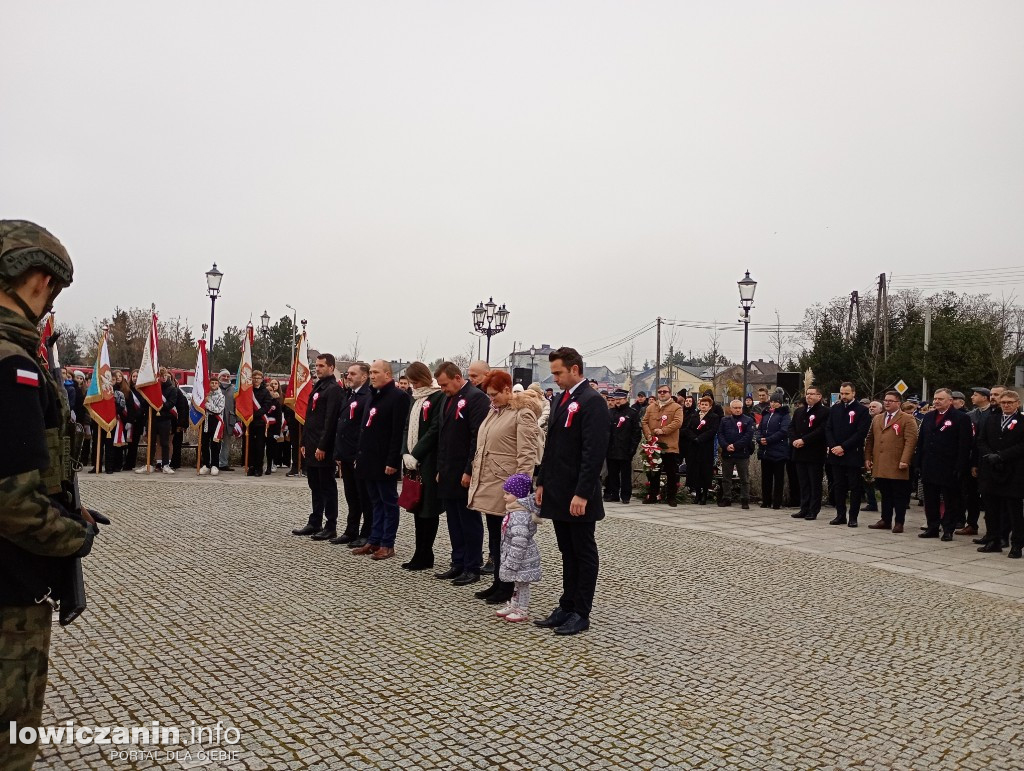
<point x="412" y="493"/>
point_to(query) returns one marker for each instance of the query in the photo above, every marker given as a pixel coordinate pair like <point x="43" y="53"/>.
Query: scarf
<point x="18" y="329"/>
<point x="419" y="395"/>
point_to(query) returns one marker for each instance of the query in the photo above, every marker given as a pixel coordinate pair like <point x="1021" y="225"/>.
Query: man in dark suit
<point x="346" y="448"/>
<point x="569" y="487"/>
<point x="463" y="410"/>
<point x="845" y="431"/>
<point x="318" y="451"/>
<point x="944" y="456"/>
<point x="380" y="457"/>
<point x="807" y="437"/>
<point x="1001" y="475"/>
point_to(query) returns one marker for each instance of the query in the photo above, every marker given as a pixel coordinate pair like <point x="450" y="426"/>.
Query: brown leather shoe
<point x="368" y="549"/>
<point x="879" y="525"/>
<point x="382" y="553"/>
<point x="897" y="528"/>
<point x="967" y="530"/>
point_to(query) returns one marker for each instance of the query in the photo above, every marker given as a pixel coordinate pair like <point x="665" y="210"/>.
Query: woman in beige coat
<point x="506" y="444"/>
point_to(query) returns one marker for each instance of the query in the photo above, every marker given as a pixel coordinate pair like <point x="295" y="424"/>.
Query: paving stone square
<point x="720" y="639"/>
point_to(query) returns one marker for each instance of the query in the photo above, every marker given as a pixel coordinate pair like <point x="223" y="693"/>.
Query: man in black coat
<point x="944" y="456"/>
<point x="736" y="440"/>
<point x="346" y="448"/>
<point x="379" y="457"/>
<point x="463" y="410"/>
<point x="622" y="443"/>
<point x="807" y="438"/>
<point x="845" y="431"/>
<point x="317" y="451"/>
<point x="569" y="487"/>
<point x="180" y="426"/>
<point x="1001" y="475"/>
<point x="256" y="431"/>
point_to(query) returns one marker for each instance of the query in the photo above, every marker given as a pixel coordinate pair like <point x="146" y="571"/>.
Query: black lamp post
<point x="533" y="366"/>
<point x="265" y="334"/>
<point x="213" y="279"/>
<point x="747" y="287"/>
<point x="489" y="321"/>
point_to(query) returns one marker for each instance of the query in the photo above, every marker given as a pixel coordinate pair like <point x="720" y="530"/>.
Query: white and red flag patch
<point x="27" y="377"/>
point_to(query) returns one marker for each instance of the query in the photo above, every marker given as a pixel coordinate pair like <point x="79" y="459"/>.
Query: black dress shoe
<point x="307" y="530"/>
<point x="852" y="523"/>
<point x="324" y="535"/>
<point x="744" y="504"/>
<point x="775" y="508"/>
<point x="557" y="618"/>
<point x="416" y="566"/>
<point x="466" y="579"/>
<point x="574" y="624"/>
<point x="929" y="534"/>
<point x="837" y="521"/>
<point x="991" y="548"/>
<point x="798" y="515"/>
<point x="1015" y="554"/>
<point x="342" y="539"/>
<point x="358" y="543"/>
<point x="810" y="517"/>
<point x="980" y="541"/>
<point x="725" y="502"/>
<point x="483" y="594"/>
<point x="947" y="536"/>
<point x="449" y="574"/>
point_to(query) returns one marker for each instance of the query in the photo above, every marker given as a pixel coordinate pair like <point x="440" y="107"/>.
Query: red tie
<point x="938" y="418"/>
<point x="565" y="398"/>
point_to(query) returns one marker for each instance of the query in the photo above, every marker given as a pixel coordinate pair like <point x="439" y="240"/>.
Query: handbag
<point x="412" y="492"/>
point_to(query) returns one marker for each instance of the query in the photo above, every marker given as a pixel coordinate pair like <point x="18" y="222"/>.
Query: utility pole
<point x="878" y="318"/>
<point x="854" y="303"/>
<point x="885" y="317"/>
<point x="657" y="359"/>
<point x="670" y="353"/>
<point x="927" y="342"/>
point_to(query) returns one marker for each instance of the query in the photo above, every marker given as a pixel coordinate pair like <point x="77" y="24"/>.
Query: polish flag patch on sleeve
<point x="27" y="377"/>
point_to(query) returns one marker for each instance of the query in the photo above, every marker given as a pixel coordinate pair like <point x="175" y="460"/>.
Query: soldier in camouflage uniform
<point x="40" y="533"/>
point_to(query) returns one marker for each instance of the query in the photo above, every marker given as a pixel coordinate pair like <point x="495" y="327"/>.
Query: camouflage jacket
<point x="37" y="530"/>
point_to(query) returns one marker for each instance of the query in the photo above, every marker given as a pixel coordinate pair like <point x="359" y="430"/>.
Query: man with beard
<point x="625" y="436"/>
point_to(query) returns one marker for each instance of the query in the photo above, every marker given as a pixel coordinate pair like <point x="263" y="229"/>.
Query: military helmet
<point x="25" y="245"/>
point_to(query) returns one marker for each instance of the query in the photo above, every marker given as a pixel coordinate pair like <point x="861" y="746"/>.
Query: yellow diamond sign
<point x="901" y="387"/>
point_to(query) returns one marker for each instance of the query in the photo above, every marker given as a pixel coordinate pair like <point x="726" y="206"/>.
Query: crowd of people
<point x="870" y="455"/>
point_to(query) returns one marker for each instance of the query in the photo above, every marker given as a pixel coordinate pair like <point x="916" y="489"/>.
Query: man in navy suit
<point x="846" y="429"/>
<point x="569" y="487"/>
<point x="944" y="456"/>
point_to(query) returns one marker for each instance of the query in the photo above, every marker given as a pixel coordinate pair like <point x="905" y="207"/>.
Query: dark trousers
<point x="871" y="501"/>
<point x="1003" y="515"/>
<point x="176" y="440"/>
<point x="384" y="500"/>
<point x="942" y="505"/>
<point x="494" y="548"/>
<point x="830" y="478"/>
<point x="426" y="532"/>
<point x="257" y="446"/>
<point x="294" y="429"/>
<point x="618" y="485"/>
<point x="284" y="453"/>
<point x="466" y="531"/>
<point x="131" y="452"/>
<point x="773" y="477"/>
<point x="670" y="465"/>
<point x="113" y="457"/>
<point x="793" y="497"/>
<point x="971" y="499"/>
<point x="324" y="488"/>
<point x="700" y="472"/>
<point x="579" y="565"/>
<point x="357" y="497"/>
<point x="809" y="475"/>
<point x="847" y="480"/>
<point x="730" y="485"/>
<point x="1013" y="520"/>
<point x="209" y="450"/>
<point x="895" y="499"/>
<point x="993" y="518"/>
<point x="161" y="437"/>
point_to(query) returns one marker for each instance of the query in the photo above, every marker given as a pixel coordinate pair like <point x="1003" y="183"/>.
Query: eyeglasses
<point x="663" y="392"/>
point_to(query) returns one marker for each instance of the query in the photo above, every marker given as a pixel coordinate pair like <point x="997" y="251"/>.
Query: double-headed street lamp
<point x="489" y="321"/>
<point x="265" y="334"/>
<point x="747" y="287"/>
<point x="213" y="279"/>
<point x="533" y="365"/>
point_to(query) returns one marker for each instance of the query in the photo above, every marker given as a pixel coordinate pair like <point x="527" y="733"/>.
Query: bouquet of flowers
<point x="652" y="454"/>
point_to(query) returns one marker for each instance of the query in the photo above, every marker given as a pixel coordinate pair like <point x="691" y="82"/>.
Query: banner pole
<point x="247" y="432"/>
<point x="199" y="444"/>
<point x="149" y="440"/>
<point x="99" y="445"/>
<point x="299" y="466"/>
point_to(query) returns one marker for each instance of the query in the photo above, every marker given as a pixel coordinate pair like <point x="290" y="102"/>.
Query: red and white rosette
<point x="810" y="420"/>
<point x="316" y="396"/>
<point x="701" y="424"/>
<point x="369" y="420"/>
<point x="573" y="408"/>
<point x="426" y="410"/>
<point x="458" y="408"/>
<point x="622" y="419"/>
<point x="853" y="416"/>
<point x="946" y="425"/>
<point x="352" y="409"/>
<point x="664" y="420"/>
<point x="896" y="428"/>
<point x="1013" y="425"/>
<point x="739" y="426"/>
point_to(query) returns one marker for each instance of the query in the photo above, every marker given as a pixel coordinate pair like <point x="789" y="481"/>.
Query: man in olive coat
<point x="569" y="487"/>
<point x="888" y="453"/>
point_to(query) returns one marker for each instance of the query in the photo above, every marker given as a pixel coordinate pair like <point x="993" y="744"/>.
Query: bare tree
<point x="780" y="343"/>
<point x="353" y="349"/>
<point x="422" y="352"/>
<point x="627" y="360"/>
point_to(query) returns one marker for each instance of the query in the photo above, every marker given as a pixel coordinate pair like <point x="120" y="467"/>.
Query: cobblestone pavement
<point x="706" y="651"/>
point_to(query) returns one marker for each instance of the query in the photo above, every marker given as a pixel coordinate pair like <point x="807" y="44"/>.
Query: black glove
<point x="992" y="458"/>
<point x="90" y="534"/>
<point x="100" y="518"/>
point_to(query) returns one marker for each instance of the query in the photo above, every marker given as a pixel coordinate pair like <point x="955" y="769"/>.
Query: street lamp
<point x="489" y="320"/>
<point x="265" y="334"/>
<point x="747" y="287"/>
<point x="533" y="366"/>
<point x="213" y="279"/>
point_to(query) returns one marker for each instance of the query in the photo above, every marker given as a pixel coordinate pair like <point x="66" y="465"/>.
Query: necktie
<point x="565" y="398"/>
<point x="1006" y="421"/>
<point x="938" y="418"/>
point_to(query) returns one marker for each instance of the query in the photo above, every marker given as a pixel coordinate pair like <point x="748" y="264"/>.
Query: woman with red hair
<point x="506" y="444"/>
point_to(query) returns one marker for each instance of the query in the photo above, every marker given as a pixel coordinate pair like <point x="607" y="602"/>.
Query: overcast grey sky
<point x="383" y="166"/>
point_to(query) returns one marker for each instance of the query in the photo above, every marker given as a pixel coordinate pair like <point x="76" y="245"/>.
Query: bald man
<point x="476" y="372"/>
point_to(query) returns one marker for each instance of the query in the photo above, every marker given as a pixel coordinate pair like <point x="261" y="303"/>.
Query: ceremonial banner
<point x="243" y="384"/>
<point x="99" y="399"/>
<point x="300" y="385"/>
<point x="48" y="328"/>
<point x="200" y="378"/>
<point x="148" y="384"/>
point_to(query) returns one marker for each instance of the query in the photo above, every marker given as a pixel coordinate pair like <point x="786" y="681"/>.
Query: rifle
<point x="71" y="592"/>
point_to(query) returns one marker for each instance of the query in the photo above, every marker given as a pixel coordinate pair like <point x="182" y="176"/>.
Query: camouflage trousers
<point x="24" y="657"/>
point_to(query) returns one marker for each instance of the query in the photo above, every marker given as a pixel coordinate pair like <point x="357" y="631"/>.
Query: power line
<point x="623" y="341"/>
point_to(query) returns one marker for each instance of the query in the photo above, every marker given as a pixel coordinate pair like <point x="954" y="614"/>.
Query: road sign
<point x="901" y="387"/>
